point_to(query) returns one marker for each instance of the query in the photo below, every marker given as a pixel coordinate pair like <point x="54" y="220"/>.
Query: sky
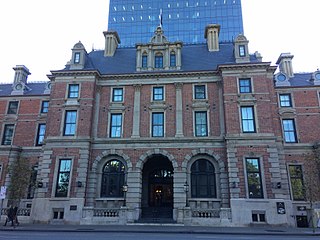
<point x="41" y="33"/>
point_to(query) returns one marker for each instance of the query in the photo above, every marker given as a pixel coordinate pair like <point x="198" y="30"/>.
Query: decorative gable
<point x="159" y="54"/>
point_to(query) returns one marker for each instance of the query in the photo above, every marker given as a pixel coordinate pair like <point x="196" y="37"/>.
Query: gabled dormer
<point x="78" y="57"/>
<point x="241" y="49"/>
<point x="159" y="54"/>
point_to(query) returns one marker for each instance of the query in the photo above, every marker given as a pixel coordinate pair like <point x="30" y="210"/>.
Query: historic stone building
<point x="203" y="134"/>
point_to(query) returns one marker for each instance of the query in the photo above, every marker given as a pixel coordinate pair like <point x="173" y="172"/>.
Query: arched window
<point x="112" y="179"/>
<point x="144" y="63"/>
<point x="158" y="61"/>
<point x="172" y="59"/>
<point x="203" y="181"/>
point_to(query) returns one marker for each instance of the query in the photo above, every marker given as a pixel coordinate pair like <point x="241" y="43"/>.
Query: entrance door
<point x="157" y="191"/>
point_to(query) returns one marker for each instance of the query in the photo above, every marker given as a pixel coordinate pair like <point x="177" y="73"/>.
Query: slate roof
<point x="35" y="88"/>
<point x="194" y="58"/>
<point x="301" y="80"/>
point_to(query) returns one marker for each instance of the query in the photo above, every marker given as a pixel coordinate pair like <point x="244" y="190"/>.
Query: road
<point x="28" y="235"/>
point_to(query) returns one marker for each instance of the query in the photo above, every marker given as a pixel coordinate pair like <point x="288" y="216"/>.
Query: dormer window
<point x="242" y="51"/>
<point x="172" y="59"/>
<point x="76" y="57"/>
<point x="158" y="61"/>
<point x="144" y="60"/>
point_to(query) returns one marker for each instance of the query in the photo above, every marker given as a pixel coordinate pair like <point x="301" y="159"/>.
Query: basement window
<point x="58" y="213"/>
<point x="258" y="216"/>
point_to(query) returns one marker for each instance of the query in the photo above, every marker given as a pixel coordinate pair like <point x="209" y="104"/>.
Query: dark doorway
<point x="157" y="189"/>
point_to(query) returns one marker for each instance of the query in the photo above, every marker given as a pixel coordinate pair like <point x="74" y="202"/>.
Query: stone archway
<point x="157" y="188"/>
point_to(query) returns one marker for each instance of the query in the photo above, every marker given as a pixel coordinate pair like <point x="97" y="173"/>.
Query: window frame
<point x="200" y="95"/>
<point x="7" y="138"/>
<point x="77" y="58"/>
<point x="158" y="61"/>
<point x="44" y="109"/>
<point x="116" y="96"/>
<point x="155" y="94"/>
<point x="289" y="138"/>
<point x="70" y="124"/>
<point x="155" y="127"/>
<point x="248" y="123"/>
<point x="285" y="103"/>
<point x="144" y="61"/>
<point x="73" y="93"/>
<point x="40" y="134"/>
<point x="244" y="88"/>
<point x="173" y="59"/>
<point x="260" y="176"/>
<point x="59" y="174"/>
<point x="115" y="126"/>
<point x="118" y="175"/>
<point x="242" y="51"/>
<point x="197" y="177"/>
<point x="301" y="178"/>
<point x="201" y="124"/>
<point x="13" y="107"/>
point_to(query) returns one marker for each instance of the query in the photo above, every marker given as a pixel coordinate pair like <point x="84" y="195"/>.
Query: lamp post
<point x="186" y="189"/>
<point x="124" y="190"/>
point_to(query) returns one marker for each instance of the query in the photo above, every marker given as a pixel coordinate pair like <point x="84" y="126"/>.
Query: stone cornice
<point x="247" y="66"/>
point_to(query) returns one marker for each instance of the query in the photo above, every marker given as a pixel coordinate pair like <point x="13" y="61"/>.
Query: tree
<point x="19" y="172"/>
<point x="312" y="180"/>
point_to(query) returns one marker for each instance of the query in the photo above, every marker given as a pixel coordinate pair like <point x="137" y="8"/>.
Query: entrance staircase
<point x="156" y="215"/>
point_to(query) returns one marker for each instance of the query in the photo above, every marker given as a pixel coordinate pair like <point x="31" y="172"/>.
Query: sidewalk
<point x="165" y="228"/>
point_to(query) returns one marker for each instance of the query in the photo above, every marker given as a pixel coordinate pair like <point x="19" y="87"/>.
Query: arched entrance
<point x="157" y="189"/>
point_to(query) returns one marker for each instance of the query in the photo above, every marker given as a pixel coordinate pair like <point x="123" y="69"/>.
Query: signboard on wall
<point x="281" y="208"/>
<point x="3" y="191"/>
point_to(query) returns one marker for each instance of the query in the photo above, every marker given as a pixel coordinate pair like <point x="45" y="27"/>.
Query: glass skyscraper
<point x="183" y="20"/>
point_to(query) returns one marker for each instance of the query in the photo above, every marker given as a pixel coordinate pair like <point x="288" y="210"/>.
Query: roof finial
<point x="160" y="18"/>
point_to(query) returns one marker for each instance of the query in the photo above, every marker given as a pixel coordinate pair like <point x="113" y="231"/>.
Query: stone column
<point x="136" y="112"/>
<point x="179" y="118"/>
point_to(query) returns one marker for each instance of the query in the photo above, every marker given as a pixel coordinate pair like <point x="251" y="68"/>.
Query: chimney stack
<point x="21" y="74"/>
<point x="111" y="43"/>
<point x="212" y="35"/>
<point x="285" y="64"/>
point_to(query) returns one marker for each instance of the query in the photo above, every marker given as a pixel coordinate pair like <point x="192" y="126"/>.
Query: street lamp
<point x="186" y="189"/>
<point x="124" y="190"/>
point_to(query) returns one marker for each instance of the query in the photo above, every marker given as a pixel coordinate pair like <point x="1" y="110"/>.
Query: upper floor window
<point x="116" y="125"/>
<point x="158" y="61"/>
<point x="112" y="181"/>
<point x="158" y="124"/>
<point x="70" y="123"/>
<point x="203" y="179"/>
<point x="172" y="59"/>
<point x="144" y="60"/>
<point x="289" y="131"/>
<point x="242" y="50"/>
<point x="254" y="178"/>
<point x="44" y="106"/>
<point x="285" y="100"/>
<point x="7" y="134"/>
<point x="297" y="184"/>
<point x="201" y="128"/>
<point x="40" y="134"/>
<point x="76" y="57"/>
<point x="73" y="91"/>
<point x="245" y="85"/>
<point x="13" y="107"/>
<point x="63" y="178"/>
<point x="117" y="94"/>
<point x="199" y="92"/>
<point x="158" y="94"/>
<point x="247" y="120"/>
